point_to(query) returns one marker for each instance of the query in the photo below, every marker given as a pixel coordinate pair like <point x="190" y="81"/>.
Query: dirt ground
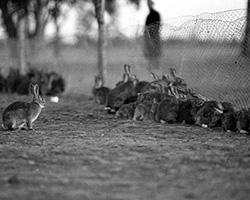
<point x="78" y="151"/>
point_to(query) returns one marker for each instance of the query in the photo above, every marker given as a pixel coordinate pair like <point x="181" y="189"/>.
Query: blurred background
<point x="205" y="41"/>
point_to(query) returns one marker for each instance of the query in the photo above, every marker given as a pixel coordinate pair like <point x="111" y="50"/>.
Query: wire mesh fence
<point x="204" y="49"/>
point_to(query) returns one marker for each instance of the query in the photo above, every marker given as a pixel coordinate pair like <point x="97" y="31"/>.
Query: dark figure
<point x="152" y="40"/>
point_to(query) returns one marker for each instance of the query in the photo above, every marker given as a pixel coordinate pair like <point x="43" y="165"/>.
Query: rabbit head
<point x="98" y="82"/>
<point x="131" y="77"/>
<point x="126" y="110"/>
<point x="34" y="90"/>
<point x="177" y="81"/>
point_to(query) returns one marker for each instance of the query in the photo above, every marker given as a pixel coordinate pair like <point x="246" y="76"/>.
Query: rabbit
<point x="124" y="79"/>
<point x="142" y="111"/>
<point x="229" y="121"/>
<point x="216" y="120"/>
<point x="185" y="112"/>
<point x="20" y="113"/>
<point x="153" y="109"/>
<point x="126" y="110"/>
<point x="243" y="121"/>
<point x="147" y="103"/>
<point x="168" y="110"/>
<point x="177" y="80"/>
<point x="100" y="92"/>
<point x="206" y="112"/>
<point x="119" y="94"/>
<point x="225" y="118"/>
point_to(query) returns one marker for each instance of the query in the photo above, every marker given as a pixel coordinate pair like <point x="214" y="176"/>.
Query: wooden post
<point x="100" y="8"/>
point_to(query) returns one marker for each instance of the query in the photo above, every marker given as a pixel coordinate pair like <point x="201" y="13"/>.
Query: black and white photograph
<point x="124" y="99"/>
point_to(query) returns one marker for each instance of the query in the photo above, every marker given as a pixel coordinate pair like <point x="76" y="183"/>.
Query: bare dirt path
<point x="77" y="151"/>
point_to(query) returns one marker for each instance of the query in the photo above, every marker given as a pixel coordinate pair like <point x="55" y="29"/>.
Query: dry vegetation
<point x="78" y="151"/>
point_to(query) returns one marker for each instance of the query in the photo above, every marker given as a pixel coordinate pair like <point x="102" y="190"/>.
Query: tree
<point x="246" y="41"/>
<point x="16" y="9"/>
<point x="15" y="14"/>
<point x="41" y="11"/>
<point x="100" y="7"/>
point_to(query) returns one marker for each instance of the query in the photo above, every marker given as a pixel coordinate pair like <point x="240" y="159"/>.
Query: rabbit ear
<point x="134" y="79"/>
<point x="37" y="90"/>
<point x="127" y="70"/>
<point x="167" y="78"/>
<point x="155" y="76"/>
<point x="172" y="72"/>
<point x="125" y="77"/>
<point x="220" y="106"/>
<point x="199" y="103"/>
<point x="33" y="89"/>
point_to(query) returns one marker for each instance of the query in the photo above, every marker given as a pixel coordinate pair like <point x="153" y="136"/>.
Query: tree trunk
<point x="57" y="39"/>
<point x="10" y="28"/>
<point x="99" y="8"/>
<point x="21" y="44"/>
<point x="246" y="41"/>
<point x="41" y="18"/>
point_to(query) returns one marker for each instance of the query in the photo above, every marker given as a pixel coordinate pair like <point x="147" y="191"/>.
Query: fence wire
<point x="206" y="51"/>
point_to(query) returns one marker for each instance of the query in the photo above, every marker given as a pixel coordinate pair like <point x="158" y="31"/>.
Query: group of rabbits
<point x="168" y="100"/>
<point x="50" y="83"/>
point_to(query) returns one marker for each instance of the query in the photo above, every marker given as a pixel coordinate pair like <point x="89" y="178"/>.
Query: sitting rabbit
<point x="243" y="121"/>
<point x="20" y="113"/>
<point x="124" y="91"/>
<point x="206" y="113"/>
<point x="99" y="91"/>
<point x="126" y="111"/>
<point x="168" y="110"/>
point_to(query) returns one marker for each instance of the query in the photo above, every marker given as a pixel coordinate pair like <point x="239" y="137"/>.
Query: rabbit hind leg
<point x="10" y="125"/>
